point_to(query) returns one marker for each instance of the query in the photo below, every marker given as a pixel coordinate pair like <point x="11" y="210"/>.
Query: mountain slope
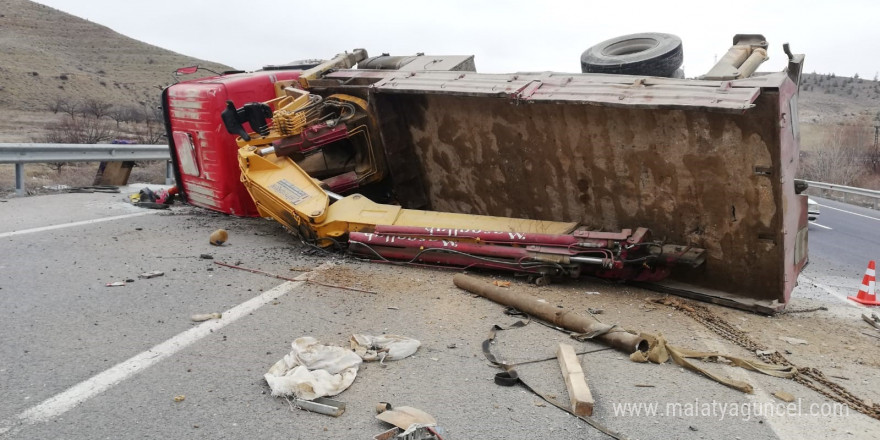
<point x="47" y="55"/>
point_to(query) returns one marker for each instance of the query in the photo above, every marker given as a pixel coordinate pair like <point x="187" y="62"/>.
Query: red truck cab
<point x="202" y="151"/>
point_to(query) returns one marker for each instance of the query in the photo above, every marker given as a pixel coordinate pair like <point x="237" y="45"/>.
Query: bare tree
<point x="96" y="108"/>
<point x="124" y="114"/>
<point x="64" y="105"/>
<point x="79" y="130"/>
<point x="843" y="158"/>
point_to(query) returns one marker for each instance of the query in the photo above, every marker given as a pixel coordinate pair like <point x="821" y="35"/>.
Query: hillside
<point x="47" y="55"/>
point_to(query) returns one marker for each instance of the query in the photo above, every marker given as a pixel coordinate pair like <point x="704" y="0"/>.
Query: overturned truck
<point x="684" y="183"/>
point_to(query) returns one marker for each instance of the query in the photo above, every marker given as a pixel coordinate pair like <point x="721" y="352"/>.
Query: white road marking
<point x="73" y="396"/>
<point x="70" y="225"/>
<point x="850" y="212"/>
<point x="821" y="226"/>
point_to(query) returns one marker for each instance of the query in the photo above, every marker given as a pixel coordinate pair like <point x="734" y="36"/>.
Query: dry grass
<point x="40" y="176"/>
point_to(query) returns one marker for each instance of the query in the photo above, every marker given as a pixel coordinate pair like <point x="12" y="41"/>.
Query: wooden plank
<point x="114" y="173"/>
<point x="578" y="391"/>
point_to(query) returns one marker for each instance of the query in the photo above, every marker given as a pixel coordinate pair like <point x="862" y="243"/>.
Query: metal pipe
<point x="607" y="334"/>
<point x="750" y="65"/>
<point x="265" y="151"/>
<point x="589" y="260"/>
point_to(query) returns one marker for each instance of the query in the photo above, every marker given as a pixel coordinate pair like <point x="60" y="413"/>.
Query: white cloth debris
<point x="313" y="370"/>
<point x="384" y="347"/>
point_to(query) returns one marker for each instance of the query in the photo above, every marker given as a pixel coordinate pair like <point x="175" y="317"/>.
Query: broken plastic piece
<point x="116" y="284"/>
<point x="152" y="274"/>
<point x="405" y="416"/>
<point x="206" y="316"/>
<point x="321" y="405"/>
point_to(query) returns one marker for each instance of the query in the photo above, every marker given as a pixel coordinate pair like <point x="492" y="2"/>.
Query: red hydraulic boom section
<point x="619" y="256"/>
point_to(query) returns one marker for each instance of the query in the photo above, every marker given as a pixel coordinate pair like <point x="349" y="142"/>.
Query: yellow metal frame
<point x="283" y="191"/>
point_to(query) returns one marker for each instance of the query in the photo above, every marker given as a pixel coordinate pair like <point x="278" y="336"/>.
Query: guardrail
<point x="22" y="153"/>
<point x="865" y="194"/>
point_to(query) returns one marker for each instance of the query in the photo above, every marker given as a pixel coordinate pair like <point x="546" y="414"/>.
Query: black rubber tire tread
<point x="648" y="53"/>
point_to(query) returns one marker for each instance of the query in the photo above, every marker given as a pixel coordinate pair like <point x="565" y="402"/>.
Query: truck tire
<point x="650" y="53"/>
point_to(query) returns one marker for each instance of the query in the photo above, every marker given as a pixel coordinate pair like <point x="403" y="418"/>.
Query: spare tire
<point x="649" y="53"/>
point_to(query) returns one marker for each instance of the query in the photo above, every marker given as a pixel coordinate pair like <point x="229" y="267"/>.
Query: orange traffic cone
<point x="866" y="293"/>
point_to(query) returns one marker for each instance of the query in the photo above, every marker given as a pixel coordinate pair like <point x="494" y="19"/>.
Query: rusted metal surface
<point x="612" y="90"/>
<point x="711" y="179"/>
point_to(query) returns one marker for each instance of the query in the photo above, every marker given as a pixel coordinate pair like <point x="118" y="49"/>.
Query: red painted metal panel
<point x="194" y="108"/>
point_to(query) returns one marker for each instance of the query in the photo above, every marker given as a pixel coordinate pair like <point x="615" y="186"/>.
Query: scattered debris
<point x="116" y="284"/>
<point x="219" y="237"/>
<point x="179" y="398"/>
<point x="873" y="336"/>
<point x="693" y="428"/>
<point x="575" y="382"/>
<point x="320" y="405"/>
<point x="644" y="347"/>
<point x="393" y="308"/>
<point x="593" y="311"/>
<point x="784" y="396"/>
<point x="313" y="370"/>
<point x="257" y="271"/>
<point x="414" y="432"/>
<point x="451" y="345"/>
<point x="764" y="352"/>
<point x="383" y="348"/>
<point x="153" y="274"/>
<point x="501" y="283"/>
<point x="793" y="341"/>
<point x="874" y="320"/>
<point x="298" y="269"/>
<point x="147" y="198"/>
<point x="591" y="293"/>
<point x="206" y="317"/>
<point x="405" y="416"/>
<point x="644" y="385"/>
<point x="206" y="257"/>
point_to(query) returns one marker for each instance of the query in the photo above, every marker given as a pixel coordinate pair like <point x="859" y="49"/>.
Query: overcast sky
<point x="842" y="37"/>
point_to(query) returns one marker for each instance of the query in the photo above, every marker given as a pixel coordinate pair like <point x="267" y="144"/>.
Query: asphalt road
<point x="844" y="238"/>
<point x="80" y="360"/>
<point x="842" y="241"/>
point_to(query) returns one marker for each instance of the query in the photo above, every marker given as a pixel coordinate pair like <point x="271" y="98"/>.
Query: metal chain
<point x="811" y="378"/>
